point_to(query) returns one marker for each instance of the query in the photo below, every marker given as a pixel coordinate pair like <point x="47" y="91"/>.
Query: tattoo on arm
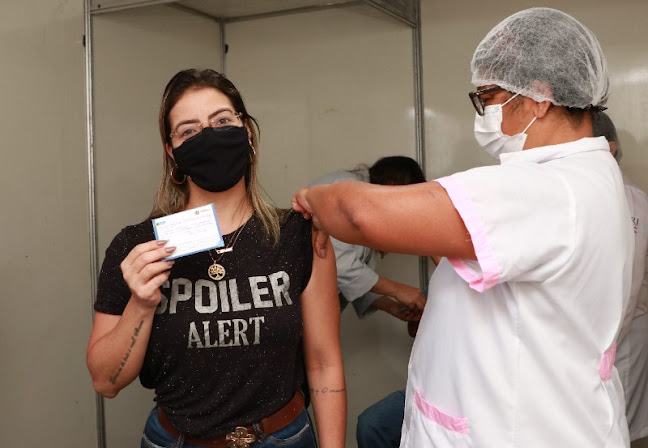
<point x="326" y="390"/>
<point x="136" y="332"/>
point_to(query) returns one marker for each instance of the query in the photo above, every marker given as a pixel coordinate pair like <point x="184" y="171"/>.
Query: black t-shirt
<point x="222" y="353"/>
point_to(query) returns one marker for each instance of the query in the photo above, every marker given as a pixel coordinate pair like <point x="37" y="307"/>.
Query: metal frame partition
<point x="224" y="12"/>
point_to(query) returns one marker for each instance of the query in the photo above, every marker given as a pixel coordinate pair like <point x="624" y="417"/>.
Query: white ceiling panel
<point x="405" y="10"/>
<point x="238" y="8"/>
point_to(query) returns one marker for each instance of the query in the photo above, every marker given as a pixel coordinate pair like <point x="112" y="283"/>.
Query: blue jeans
<point x="379" y="426"/>
<point x="298" y="434"/>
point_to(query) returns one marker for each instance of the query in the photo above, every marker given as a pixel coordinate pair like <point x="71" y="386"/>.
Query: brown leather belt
<point x="243" y="436"/>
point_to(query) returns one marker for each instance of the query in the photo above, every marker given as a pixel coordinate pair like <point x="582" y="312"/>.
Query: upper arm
<point x="321" y="310"/>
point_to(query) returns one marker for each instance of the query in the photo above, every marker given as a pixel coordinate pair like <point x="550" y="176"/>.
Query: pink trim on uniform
<point x="489" y="276"/>
<point x="455" y="424"/>
<point x="607" y="362"/>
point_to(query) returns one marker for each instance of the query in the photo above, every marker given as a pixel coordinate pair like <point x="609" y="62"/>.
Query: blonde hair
<point x="172" y="197"/>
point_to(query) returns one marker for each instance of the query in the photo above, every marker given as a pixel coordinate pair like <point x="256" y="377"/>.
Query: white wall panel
<point x="332" y="89"/>
<point x="44" y="261"/>
<point x="452" y="30"/>
<point x="136" y="53"/>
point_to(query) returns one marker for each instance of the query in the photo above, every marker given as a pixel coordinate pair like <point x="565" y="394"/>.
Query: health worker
<point x="517" y="341"/>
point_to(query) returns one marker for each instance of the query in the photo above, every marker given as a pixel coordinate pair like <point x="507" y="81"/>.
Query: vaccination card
<point x="190" y="231"/>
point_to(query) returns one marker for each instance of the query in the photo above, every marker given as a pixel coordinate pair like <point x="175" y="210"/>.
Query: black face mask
<point x="216" y="158"/>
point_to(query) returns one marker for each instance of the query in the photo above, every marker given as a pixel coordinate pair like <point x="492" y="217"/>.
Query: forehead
<point x="199" y="104"/>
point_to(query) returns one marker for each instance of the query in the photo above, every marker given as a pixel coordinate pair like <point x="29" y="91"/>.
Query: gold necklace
<point x="217" y="271"/>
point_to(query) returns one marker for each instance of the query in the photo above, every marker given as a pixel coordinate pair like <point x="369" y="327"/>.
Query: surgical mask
<point x="489" y="135"/>
<point x="215" y="159"/>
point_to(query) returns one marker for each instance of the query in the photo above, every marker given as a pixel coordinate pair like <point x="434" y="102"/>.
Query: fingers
<point x="300" y="204"/>
<point x="400" y="317"/>
<point x="414" y="315"/>
<point x="145" y="253"/>
<point x="420" y="300"/>
<point x="148" y="294"/>
<point x="394" y="308"/>
<point x="321" y="241"/>
<point x="417" y="298"/>
<point x="146" y="248"/>
<point x="409" y="314"/>
<point x="410" y="297"/>
<point x="144" y="270"/>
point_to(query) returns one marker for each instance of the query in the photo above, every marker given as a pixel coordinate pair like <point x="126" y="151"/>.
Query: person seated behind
<point x="632" y="349"/>
<point x="379" y="426"/>
<point x="358" y="283"/>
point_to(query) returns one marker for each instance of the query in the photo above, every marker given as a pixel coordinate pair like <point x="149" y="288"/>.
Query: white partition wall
<point x="330" y="87"/>
<point x="136" y="52"/>
<point x="452" y="30"/>
<point x="47" y="397"/>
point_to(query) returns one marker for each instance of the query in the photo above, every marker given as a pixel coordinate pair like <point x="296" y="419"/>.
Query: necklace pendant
<point x="216" y="271"/>
<point x="222" y="251"/>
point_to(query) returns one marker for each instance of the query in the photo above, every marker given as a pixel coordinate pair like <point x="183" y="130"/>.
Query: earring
<point x="173" y="175"/>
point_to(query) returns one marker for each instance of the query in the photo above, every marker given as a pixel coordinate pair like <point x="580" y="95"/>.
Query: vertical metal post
<point x="221" y="24"/>
<point x="419" y="116"/>
<point x="92" y="215"/>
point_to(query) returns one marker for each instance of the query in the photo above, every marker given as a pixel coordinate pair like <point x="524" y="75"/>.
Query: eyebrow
<point x="209" y="117"/>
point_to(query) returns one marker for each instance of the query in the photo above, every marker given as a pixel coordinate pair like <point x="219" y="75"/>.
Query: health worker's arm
<point x="118" y="343"/>
<point x="322" y="352"/>
<point x="415" y="219"/>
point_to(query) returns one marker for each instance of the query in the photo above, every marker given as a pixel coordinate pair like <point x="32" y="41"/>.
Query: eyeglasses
<point x="185" y="131"/>
<point x="477" y="101"/>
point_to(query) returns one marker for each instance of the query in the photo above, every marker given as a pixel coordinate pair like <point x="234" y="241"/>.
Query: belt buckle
<point x="240" y="438"/>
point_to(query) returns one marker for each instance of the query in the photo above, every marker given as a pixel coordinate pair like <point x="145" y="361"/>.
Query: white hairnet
<point x="544" y="54"/>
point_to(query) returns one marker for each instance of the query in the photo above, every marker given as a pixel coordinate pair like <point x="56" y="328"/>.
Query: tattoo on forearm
<point x="136" y="332"/>
<point x="326" y="390"/>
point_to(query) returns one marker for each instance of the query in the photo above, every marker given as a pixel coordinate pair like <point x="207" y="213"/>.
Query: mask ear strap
<point x="529" y="125"/>
<point x="509" y="100"/>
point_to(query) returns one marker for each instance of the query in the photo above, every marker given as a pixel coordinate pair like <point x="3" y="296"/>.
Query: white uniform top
<point x="638" y="203"/>
<point x="517" y="349"/>
<point x="632" y="352"/>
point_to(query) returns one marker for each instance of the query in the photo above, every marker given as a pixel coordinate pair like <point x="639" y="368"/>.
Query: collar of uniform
<point x="543" y="154"/>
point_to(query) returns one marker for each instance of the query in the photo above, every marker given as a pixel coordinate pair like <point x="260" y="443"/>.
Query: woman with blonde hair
<point x="222" y="336"/>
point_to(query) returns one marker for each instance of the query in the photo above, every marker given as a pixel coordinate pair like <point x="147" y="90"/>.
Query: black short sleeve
<point x="112" y="291"/>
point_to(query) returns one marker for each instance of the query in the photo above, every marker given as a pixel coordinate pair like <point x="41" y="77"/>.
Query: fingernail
<point x="169" y="249"/>
<point x="161" y="242"/>
<point x="322" y="253"/>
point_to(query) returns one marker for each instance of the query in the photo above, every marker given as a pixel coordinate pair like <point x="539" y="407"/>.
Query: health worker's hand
<point x="300" y="205"/>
